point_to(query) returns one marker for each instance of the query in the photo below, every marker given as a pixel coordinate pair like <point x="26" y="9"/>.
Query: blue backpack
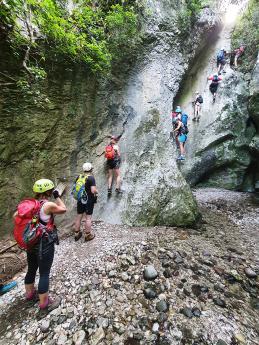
<point x="184" y="119"/>
<point x="220" y="55"/>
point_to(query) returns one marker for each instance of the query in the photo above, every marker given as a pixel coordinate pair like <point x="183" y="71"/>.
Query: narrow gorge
<point x="195" y="221"/>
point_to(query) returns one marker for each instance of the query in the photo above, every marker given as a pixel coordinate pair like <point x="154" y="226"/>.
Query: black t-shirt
<point x="88" y="184"/>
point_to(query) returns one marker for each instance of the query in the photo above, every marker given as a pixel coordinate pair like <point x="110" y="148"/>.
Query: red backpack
<point x="109" y="152"/>
<point x="27" y="226"/>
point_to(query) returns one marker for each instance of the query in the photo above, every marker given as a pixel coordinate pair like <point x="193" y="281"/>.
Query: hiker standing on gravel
<point x="197" y="106"/>
<point x="85" y="192"/>
<point x="112" y="154"/>
<point x="41" y="253"/>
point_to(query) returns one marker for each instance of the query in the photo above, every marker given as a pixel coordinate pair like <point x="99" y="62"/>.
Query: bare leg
<point x="43" y="297"/>
<point x="110" y="177"/>
<point x="77" y="223"/>
<point x="29" y="289"/>
<point x="118" y="178"/>
<point x="235" y="61"/>
<point x="88" y="224"/>
<point x="182" y="150"/>
<point x="198" y="111"/>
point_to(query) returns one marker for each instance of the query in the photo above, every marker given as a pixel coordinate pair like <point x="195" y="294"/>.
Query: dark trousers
<point x="42" y="262"/>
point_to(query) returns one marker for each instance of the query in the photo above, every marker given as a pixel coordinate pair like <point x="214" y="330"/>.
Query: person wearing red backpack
<point x="40" y="254"/>
<point x="112" y="154"/>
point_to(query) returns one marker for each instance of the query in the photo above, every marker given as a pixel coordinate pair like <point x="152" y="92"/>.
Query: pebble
<point x="112" y="274"/>
<point x="196" y="312"/>
<point x="240" y="338"/>
<point x="162" y="306"/>
<point x="44" y="326"/>
<point x="97" y="336"/>
<point x="178" y="259"/>
<point x="187" y="312"/>
<point x="150" y="273"/>
<point x="79" y="337"/>
<point x="124" y="276"/>
<point x="155" y="327"/>
<point x="150" y="293"/>
<point x="221" y="342"/>
<point x="220" y="302"/>
<point x="62" y="339"/>
<point x="119" y="328"/>
<point x="250" y="273"/>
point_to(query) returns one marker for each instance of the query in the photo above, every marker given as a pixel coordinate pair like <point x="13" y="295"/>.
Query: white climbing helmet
<point x="87" y="167"/>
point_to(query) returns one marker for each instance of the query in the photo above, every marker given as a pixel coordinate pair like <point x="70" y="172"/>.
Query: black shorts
<point x="213" y="88"/>
<point x="222" y="62"/>
<point x="87" y="208"/>
<point x="114" y="163"/>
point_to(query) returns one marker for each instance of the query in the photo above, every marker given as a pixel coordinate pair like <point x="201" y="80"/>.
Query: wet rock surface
<point x="207" y="298"/>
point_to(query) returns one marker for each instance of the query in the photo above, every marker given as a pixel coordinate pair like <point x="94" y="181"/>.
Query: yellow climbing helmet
<point x="43" y="185"/>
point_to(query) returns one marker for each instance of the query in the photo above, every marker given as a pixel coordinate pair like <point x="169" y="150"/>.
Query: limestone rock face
<point x="254" y="94"/>
<point x="50" y="131"/>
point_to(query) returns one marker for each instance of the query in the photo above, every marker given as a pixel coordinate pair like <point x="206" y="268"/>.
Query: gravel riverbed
<point x="161" y="286"/>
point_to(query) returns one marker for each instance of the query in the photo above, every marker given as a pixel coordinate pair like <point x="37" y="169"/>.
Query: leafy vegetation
<point x="95" y="33"/>
<point x="188" y="14"/>
<point x="247" y="33"/>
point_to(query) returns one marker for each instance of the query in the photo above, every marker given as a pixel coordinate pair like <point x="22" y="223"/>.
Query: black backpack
<point x="184" y="129"/>
<point x="199" y="99"/>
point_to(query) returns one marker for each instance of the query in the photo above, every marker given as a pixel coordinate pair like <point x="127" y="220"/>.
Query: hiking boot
<point x="89" y="236"/>
<point x="78" y="236"/>
<point x="50" y="304"/>
<point x="118" y="191"/>
<point x="32" y="296"/>
<point x="194" y="119"/>
<point x="181" y="158"/>
<point x="109" y="192"/>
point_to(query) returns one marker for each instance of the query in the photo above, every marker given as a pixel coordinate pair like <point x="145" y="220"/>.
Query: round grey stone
<point x="150" y="273"/>
<point x="44" y="326"/>
<point x="162" y="306"/>
<point x="250" y="273"/>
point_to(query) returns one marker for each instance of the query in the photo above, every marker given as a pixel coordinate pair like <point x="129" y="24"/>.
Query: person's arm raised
<point x="57" y="207"/>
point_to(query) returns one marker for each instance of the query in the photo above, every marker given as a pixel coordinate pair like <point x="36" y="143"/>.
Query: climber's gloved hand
<point x="56" y="194"/>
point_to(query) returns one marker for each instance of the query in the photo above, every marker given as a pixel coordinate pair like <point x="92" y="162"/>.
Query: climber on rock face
<point x="112" y="154"/>
<point x="181" y="131"/>
<point x="221" y="60"/>
<point x="215" y="80"/>
<point x="197" y="106"/>
<point x="238" y="53"/>
<point x="177" y="114"/>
